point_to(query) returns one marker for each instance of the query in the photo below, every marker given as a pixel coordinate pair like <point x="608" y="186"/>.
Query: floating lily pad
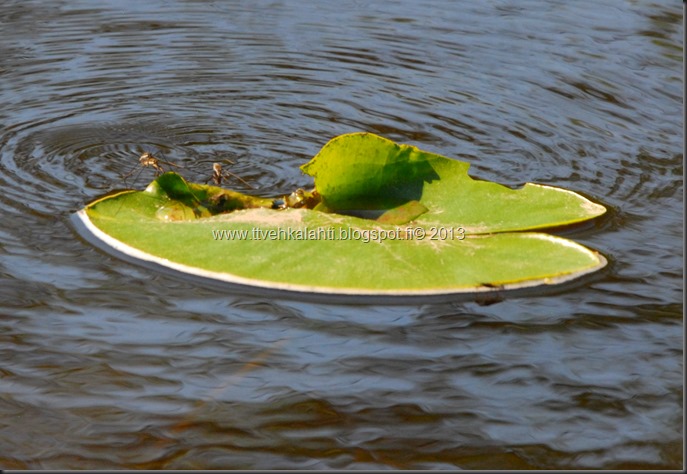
<point x="389" y="219"/>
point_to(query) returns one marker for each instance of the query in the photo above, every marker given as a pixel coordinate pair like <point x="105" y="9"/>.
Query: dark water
<point x="105" y="364"/>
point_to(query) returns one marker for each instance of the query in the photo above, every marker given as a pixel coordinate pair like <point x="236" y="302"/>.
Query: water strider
<point x="148" y="160"/>
<point x="218" y="174"/>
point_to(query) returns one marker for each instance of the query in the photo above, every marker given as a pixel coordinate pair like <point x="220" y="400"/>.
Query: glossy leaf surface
<point x="430" y="228"/>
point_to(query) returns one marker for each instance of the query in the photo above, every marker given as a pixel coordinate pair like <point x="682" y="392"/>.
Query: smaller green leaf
<point x="362" y="171"/>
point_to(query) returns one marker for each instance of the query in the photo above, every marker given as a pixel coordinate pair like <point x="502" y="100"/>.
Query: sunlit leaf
<point x="398" y="221"/>
<point x="365" y="171"/>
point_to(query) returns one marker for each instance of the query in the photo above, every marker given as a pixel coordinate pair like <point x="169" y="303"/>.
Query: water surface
<point x="105" y="364"/>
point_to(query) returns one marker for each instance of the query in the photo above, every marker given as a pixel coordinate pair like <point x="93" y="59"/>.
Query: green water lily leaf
<point x="363" y="171"/>
<point x="384" y="219"/>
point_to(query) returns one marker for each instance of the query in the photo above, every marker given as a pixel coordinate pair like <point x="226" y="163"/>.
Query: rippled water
<point x="105" y="364"/>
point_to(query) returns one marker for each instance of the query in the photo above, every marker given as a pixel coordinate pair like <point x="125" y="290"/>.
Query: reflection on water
<point x="105" y="364"/>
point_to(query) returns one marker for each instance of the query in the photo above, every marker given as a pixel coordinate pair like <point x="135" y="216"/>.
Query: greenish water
<point x="105" y="364"/>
